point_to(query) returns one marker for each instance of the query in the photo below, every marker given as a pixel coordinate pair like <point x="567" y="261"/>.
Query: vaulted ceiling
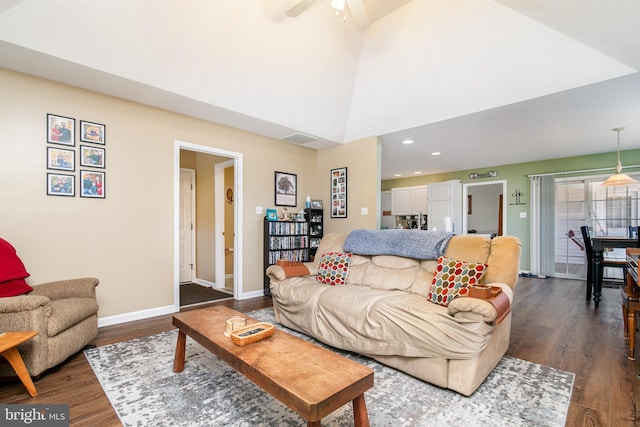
<point x="483" y="82"/>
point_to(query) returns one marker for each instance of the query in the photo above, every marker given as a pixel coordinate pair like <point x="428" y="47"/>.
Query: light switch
<point x="523" y="214"/>
<point x="259" y="210"/>
<point x="364" y="211"/>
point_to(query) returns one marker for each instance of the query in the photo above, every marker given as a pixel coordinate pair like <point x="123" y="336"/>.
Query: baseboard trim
<point x="157" y="311"/>
<point x="135" y="315"/>
<point x="204" y="282"/>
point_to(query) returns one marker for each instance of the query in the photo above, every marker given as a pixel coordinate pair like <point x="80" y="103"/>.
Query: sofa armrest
<point x="84" y="287"/>
<point x="276" y="273"/>
<point x="477" y="309"/>
<point x="21" y="303"/>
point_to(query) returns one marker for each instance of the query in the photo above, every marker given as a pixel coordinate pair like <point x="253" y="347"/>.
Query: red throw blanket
<point x="12" y="272"/>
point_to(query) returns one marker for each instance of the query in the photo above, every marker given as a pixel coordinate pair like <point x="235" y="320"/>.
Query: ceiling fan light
<point x="338" y="4"/>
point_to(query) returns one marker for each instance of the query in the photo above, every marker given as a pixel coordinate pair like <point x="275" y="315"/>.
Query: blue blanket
<point x="420" y="244"/>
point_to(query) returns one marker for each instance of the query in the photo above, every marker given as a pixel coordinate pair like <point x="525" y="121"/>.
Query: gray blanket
<point x="420" y="244"/>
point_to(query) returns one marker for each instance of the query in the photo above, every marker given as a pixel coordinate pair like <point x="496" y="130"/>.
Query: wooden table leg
<point x="313" y="423"/>
<point x="360" y="416"/>
<point x="178" y="361"/>
<point x="625" y="321"/>
<point x="15" y="360"/>
<point x="631" y="317"/>
<point x="597" y="277"/>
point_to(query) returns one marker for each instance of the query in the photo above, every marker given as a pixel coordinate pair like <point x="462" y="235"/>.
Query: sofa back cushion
<point x="501" y="254"/>
<point x="388" y="272"/>
<point x="331" y="242"/>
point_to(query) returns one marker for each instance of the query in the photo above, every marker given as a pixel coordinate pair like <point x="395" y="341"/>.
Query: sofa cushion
<point x="334" y="268"/>
<point x="452" y="279"/>
<point x="387" y="272"/>
<point x="68" y="312"/>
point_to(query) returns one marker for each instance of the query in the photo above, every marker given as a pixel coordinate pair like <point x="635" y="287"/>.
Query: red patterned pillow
<point x="452" y="279"/>
<point x="333" y="268"/>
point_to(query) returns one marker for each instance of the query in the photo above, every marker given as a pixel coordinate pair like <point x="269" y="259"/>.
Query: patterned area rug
<point x="138" y="378"/>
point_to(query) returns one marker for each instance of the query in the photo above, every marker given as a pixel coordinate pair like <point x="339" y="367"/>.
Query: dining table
<point x="600" y="244"/>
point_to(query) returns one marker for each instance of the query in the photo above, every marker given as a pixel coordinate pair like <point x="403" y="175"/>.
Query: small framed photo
<point x="61" y="184"/>
<point x="339" y="193"/>
<point x="92" y="132"/>
<point x="91" y="156"/>
<point x="60" y="158"/>
<point x="92" y="184"/>
<point x="272" y="215"/>
<point x="61" y="130"/>
<point x="316" y="204"/>
<point x="286" y="188"/>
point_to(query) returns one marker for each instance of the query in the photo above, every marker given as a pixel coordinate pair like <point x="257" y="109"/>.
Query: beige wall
<point x="126" y="239"/>
<point x="363" y="183"/>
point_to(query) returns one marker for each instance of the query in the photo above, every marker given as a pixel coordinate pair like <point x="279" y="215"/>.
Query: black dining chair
<point x="606" y="262"/>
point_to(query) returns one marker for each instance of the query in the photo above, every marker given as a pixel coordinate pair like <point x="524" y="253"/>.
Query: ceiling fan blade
<point x="299" y="7"/>
<point x="359" y="14"/>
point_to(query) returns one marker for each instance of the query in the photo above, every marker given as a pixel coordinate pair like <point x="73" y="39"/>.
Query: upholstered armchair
<point x="63" y="313"/>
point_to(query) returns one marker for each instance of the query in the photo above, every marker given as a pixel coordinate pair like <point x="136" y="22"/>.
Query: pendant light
<point x="619" y="178"/>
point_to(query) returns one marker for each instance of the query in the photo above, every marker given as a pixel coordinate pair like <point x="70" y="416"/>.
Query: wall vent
<point x="299" y="138"/>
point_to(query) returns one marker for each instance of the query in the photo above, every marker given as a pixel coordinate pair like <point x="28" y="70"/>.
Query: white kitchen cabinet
<point x="445" y="200"/>
<point x="419" y="200"/>
<point x="409" y="200"/>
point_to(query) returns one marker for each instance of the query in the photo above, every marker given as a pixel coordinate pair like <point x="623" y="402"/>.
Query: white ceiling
<point x="484" y="82"/>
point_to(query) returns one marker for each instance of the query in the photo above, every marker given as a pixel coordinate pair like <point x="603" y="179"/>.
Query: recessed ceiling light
<point x="398" y="174"/>
<point x="417" y="172"/>
<point x="435" y="153"/>
<point x="407" y="141"/>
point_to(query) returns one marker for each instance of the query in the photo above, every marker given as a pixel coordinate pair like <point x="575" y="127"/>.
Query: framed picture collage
<point x="63" y="156"/>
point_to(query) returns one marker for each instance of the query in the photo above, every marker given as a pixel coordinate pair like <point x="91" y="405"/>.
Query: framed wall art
<point x="60" y="130"/>
<point x="59" y="184"/>
<point x="92" y="132"/>
<point x="272" y="215"/>
<point x="61" y="159"/>
<point x="91" y="156"/>
<point x="92" y="184"/>
<point x="339" y="193"/>
<point x="286" y="189"/>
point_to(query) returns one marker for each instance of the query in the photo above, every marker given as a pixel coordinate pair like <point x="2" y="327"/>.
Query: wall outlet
<point x="364" y="211"/>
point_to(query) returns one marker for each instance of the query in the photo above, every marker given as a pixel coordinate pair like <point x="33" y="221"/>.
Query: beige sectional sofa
<point x="382" y="311"/>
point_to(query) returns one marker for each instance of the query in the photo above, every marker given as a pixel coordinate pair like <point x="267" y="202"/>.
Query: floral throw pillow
<point x="452" y="279"/>
<point x="333" y="268"/>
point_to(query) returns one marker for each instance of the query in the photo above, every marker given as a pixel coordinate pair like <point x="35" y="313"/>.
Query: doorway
<point x="484" y="205"/>
<point x="208" y="223"/>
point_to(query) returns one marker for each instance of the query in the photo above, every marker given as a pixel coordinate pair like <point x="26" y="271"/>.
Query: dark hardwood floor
<point x="552" y="325"/>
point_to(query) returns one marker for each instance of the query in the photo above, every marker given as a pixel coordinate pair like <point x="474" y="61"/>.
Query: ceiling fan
<point x="356" y="8"/>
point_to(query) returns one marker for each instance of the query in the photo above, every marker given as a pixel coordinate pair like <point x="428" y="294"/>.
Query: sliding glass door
<point x="608" y="211"/>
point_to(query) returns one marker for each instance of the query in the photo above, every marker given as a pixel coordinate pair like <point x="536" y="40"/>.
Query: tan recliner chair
<point x="63" y="313"/>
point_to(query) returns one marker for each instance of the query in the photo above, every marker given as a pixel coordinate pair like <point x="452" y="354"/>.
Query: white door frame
<point x="192" y="220"/>
<point x="238" y="200"/>
<point x="219" y="223"/>
<point x="465" y="203"/>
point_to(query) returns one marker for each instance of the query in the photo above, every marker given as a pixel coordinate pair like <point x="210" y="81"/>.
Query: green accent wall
<point x="517" y="177"/>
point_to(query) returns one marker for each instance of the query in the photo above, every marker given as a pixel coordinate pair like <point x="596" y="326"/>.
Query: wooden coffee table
<point x="309" y="379"/>
<point x="8" y="343"/>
